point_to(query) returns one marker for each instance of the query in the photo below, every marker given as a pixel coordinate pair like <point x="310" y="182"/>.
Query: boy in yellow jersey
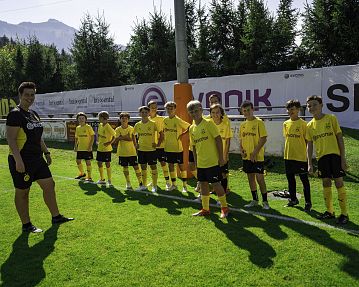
<point x="84" y="138"/>
<point x="105" y="137"/>
<point x="160" y="152"/>
<point x="324" y="131"/>
<point x="126" y="150"/>
<point x="174" y="128"/>
<point x="146" y="147"/>
<point x="216" y="112"/>
<point x="295" y="155"/>
<point x="208" y="156"/>
<point x="252" y="137"/>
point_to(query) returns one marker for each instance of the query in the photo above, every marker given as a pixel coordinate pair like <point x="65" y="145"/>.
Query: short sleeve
<point x="110" y="130"/>
<point x="76" y="132"/>
<point x="262" y="129"/>
<point x="335" y="124"/>
<point x="183" y="124"/>
<point x="212" y="129"/>
<point x="90" y="130"/>
<point x="308" y="135"/>
<point x="14" y="119"/>
<point x="284" y="129"/>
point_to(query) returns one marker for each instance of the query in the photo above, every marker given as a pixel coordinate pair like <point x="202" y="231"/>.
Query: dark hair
<point x="170" y="104"/>
<point x="214" y="96"/>
<point x="104" y="114"/>
<point x="124" y="115"/>
<point x="315" y="98"/>
<point x="81" y="114"/>
<point x="143" y="108"/>
<point x="292" y="103"/>
<point x="151" y="102"/>
<point x="217" y="106"/>
<point x="247" y="104"/>
<point x="26" y="85"/>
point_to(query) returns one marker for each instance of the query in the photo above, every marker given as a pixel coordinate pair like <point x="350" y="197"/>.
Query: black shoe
<point x="80" y="176"/>
<point x="308" y="206"/>
<point x="327" y="215"/>
<point x="292" y="203"/>
<point x="61" y="219"/>
<point x="31" y="228"/>
<point x="343" y="219"/>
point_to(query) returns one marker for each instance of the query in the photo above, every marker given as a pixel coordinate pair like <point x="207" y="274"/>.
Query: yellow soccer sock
<point x="81" y="168"/>
<point x="184" y="177"/>
<point x="342" y="197"/>
<point x="205" y="202"/>
<point x="165" y="172"/>
<point x="108" y="169"/>
<point x="327" y="192"/>
<point x="223" y="201"/>
<point x="100" y="169"/>
<point x="194" y="172"/>
<point x="144" y="177"/>
<point x="139" y="176"/>
<point x="89" y="171"/>
<point x="173" y="175"/>
<point x="127" y="174"/>
<point x="154" y="177"/>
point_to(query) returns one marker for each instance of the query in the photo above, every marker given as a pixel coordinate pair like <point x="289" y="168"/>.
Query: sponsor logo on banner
<point x="103" y="100"/>
<point x="298" y="75"/>
<point x="78" y="102"/>
<point x="154" y="93"/>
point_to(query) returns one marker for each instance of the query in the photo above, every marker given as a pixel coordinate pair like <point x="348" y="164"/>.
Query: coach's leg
<point x="22" y="204"/>
<point x="48" y="187"/>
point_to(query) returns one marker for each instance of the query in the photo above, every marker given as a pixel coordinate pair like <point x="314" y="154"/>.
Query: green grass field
<point x="134" y="239"/>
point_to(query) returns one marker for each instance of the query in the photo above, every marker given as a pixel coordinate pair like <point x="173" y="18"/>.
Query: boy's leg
<point x="292" y="188"/>
<point x="108" y="170"/>
<point x="328" y="198"/>
<point x="342" y="195"/>
<point x="154" y="175"/>
<point x="253" y="187"/>
<point x="138" y="174"/>
<point x="144" y="174"/>
<point x="100" y="169"/>
<point x="80" y="168"/>
<point x="183" y="176"/>
<point x="263" y="189"/>
<point x="126" y="173"/>
<point x="173" y="173"/>
<point x="89" y="169"/>
<point x="165" y="172"/>
<point x="306" y="187"/>
<point x="205" y="195"/>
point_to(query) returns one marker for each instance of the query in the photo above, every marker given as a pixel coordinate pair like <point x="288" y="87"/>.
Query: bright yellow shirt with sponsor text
<point x="124" y="147"/>
<point x="105" y="133"/>
<point x="159" y="123"/>
<point x="225" y="132"/>
<point x="83" y="135"/>
<point x="295" y="147"/>
<point x="323" y="133"/>
<point x="173" y="128"/>
<point x="146" y="133"/>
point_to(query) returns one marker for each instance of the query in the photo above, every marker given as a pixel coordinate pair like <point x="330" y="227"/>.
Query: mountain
<point x="50" y="32"/>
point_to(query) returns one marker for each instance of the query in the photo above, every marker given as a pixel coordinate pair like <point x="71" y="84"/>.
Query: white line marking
<point x="240" y="210"/>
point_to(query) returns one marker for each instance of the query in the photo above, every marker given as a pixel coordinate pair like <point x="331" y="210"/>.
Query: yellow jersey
<point x="173" y="128"/>
<point x="146" y="133"/>
<point x="249" y="134"/>
<point x="224" y="131"/>
<point x="295" y="147"/>
<point x="203" y="139"/>
<point x="323" y="134"/>
<point x="83" y="135"/>
<point x="124" y="147"/>
<point x="159" y="123"/>
<point x="105" y="133"/>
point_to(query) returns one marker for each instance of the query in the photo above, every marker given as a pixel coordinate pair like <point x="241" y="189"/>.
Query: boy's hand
<point x="154" y="145"/>
<point x="221" y="162"/>
<point x="253" y="157"/>
<point x="344" y="164"/>
<point x="107" y="143"/>
<point x="310" y="169"/>
<point x="243" y="153"/>
<point x="89" y="149"/>
<point x="137" y="145"/>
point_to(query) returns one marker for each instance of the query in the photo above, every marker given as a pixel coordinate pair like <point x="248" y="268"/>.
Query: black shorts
<point x="160" y="154"/>
<point x="295" y="166"/>
<point x="190" y="156"/>
<point x="224" y="169"/>
<point x="330" y="166"/>
<point x="174" y="157"/>
<point x="86" y="155"/>
<point x="147" y="157"/>
<point x="103" y="156"/>
<point x="253" y="167"/>
<point x="127" y="160"/>
<point x="34" y="170"/>
<point x="211" y="174"/>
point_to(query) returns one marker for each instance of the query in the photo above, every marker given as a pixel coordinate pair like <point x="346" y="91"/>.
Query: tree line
<point x="227" y="37"/>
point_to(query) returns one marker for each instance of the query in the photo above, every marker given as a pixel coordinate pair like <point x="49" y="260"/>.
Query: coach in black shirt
<point x="26" y="162"/>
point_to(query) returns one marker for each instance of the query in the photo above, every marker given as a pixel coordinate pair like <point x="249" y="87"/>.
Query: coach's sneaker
<point x="61" y="219"/>
<point x="327" y="215"/>
<point x="308" y="206"/>
<point x="29" y="227"/>
<point x="128" y="186"/>
<point x="141" y="188"/>
<point x="343" y="219"/>
<point x="101" y="181"/>
<point x="224" y="212"/>
<point x="292" y="203"/>
<point x="202" y="212"/>
<point x="80" y="176"/>
<point x="88" y="180"/>
<point x="253" y="203"/>
<point x="109" y="183"/>
<point x="154" y="189"/>
<point x="266" y="205"/>
<point x="168" y="186"/>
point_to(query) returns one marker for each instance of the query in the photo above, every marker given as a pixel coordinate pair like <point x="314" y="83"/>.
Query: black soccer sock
<point x="224" y="183"/>
<point x="264" y="196"/>
<point x="291" y="186"/>
<point x="254" y="195"/>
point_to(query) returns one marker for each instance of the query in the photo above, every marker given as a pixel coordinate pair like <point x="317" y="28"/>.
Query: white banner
<point x="339" y="87"/>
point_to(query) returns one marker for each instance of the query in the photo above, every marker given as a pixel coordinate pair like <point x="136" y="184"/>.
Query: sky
<point x="121" y="15"/>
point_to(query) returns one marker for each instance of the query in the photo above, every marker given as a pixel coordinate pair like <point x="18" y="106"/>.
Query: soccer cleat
<point x="224" y="212"/>
<point x="141" y="188"/>
<point x="168" y="186"/>
<point x="184" y="189"/>
<point x="202" y="212"/>
<point x="171" y="188"/>
<point x="327" y="215"/>
<point x="154" y="189"/>
<point x="253" y="203"/>
<point x="128" y="186"/>
<point x="343" y="219"/>
<point x="101" y="181"/>
<point x="308" y="206"/>
<point x="61" y="219"/>
<point x="266" y="205"/>
<point x="198" y="187"/>
<point x="292" y="203"/>
<point x="109" y="183"/>
<point x="31" y="228"/>
<point x="80" y="176"/>
<point x="89" y="180"/>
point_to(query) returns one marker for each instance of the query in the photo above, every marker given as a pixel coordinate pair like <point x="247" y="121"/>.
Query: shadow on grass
<point x="25" y="265"/>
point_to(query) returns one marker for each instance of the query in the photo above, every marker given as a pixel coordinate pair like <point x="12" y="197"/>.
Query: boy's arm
<point x="160" y="138"/>
<point x="194" y="154"/>
<point x="226" y="149"/>
<point x="310" y="156"/>
<point x="219" y="145"/>
<point x="342" y="151"/>
<point x="92" y="139"/>
<point x="257" y="148"/>
<point x="76" y="143"/>
<point x="134" y="140"/>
